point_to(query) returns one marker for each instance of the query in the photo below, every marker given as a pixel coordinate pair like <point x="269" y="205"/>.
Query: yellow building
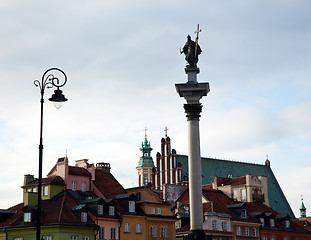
<point x="158" y="221"/>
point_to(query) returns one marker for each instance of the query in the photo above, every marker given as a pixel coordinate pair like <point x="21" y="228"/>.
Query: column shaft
<point x="195" y="176"/>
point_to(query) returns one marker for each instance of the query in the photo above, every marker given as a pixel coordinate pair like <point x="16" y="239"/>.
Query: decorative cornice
<point x="193" y="111"/>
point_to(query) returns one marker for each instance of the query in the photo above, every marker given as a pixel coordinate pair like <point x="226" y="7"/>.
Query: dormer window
<point x="272" y="223"/>
<point x="27" y="217"/>
<point x="243" y="213"/>
<point x="287" y="224"/>
<point x="262" y="220"/>
<point x="83" y="217"/>
<point x="100" y="209"/>
<point x="153" y="210"/>
<point x="46" y="191"/>
<point x="131" y="206"/>
<point x="111" y="210"/>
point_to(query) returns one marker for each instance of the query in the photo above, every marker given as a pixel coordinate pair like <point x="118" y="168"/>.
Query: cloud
<point x="122" y="61"/>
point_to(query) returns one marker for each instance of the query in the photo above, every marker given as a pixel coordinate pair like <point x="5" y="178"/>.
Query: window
<point x="243" y="194"/>
<point x="287" y="224"/>
<point x="74" y="186"/>
<point x="246" y="231"/>
<point x="83" y="186"/>
<point x="85" y="238"/>
<point x="264" y="238"/>
<point x="153" y="231"/>
<point x="127" y="227"/>
<point x="163" y="232"/>
<point x="100" y="209"/>
<point x="153" y="210"/>
<point x="47" y="237"/>
<point x="243" y="213"/>
<point x="255" y="232"/>
<point x="84" y="217"/>
<point x="131" y="206"/>
<point x="159" y="211"/>
<point x="272" y="238"/>
<point x="27" y="217"/>
<point x="178" y="224"/>
<point x="113" y="233"/>
<point x="34" y="190"/>
<point x="214" y="224"/>
<point x="145" y="180"/>
<point x="46" y="191"/>
<point x="28" y="190"/>
<point x="101" y="233"/>
<point x="272" y="224"/>
<point x="138" y="227"/>
<point x="111" y="210"/>
<point x="235" y="194"/>
<point x="238" y="231"/>
<point x="262" y="220"/>
<point x="224" y="226"/>
<point x="74" y="237"/>
<point x="18" y="238"/>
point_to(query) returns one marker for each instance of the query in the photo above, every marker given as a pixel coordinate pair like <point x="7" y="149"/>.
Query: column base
<point x="198" y="235"/>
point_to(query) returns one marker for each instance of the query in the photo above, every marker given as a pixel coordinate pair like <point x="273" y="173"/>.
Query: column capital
<point x="193" y="111"/>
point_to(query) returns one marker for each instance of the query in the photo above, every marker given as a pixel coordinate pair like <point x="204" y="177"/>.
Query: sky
<point x="122" y="59"/>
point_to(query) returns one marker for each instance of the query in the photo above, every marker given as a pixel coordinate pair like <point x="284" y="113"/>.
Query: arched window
<point x="214" y="224"/>
<point x="224" y="226"/>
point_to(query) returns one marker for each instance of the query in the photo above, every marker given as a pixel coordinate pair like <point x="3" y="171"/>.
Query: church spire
<point x="302" y="209"/>
<point x="145" y="164"/>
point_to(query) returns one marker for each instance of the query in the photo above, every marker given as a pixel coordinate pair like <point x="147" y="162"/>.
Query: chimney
<point x="103" y="166"/>
<point x="28" y="178"/>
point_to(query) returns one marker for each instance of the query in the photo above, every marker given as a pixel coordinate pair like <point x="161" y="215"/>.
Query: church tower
<point x="303" y="210"/>
<point x="145" y="168"/>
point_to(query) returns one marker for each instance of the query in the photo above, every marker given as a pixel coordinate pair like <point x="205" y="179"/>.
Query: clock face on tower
<point x="146" y="154"/>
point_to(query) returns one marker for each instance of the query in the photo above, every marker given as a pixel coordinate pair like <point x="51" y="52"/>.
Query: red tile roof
<point x="55" y="180"/>
<point x="80" y="171"/>
<point x="231" y="181"/>
<point x="107" y="184"/>
<point x="56" y="210"/>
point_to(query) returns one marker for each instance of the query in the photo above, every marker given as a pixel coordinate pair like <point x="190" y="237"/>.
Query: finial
<point x="66" y="152"/>
<point x="301" y="197"/>
<point x="146" y="132"/>
<point x="165" y="130"/>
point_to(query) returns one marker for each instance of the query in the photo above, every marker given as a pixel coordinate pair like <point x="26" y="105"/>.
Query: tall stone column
<point x="193" y="91"/>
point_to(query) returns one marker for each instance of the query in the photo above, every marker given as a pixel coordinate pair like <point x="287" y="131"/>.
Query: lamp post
<point x="49" y="80"/>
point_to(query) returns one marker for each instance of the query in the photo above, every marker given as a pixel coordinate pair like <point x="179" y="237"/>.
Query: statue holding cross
<point x="192" y="50"/>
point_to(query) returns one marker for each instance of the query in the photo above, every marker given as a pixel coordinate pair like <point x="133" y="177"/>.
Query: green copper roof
<point x="146" y="159"/>
<point x="223" y="168"/>
<point x="302" y="207"/>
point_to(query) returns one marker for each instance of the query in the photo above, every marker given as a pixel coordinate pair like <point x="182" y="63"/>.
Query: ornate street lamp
<point x="49" y="80"/>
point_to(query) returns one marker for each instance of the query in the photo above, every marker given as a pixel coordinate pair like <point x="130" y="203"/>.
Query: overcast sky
<point x="122" y="60"/>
